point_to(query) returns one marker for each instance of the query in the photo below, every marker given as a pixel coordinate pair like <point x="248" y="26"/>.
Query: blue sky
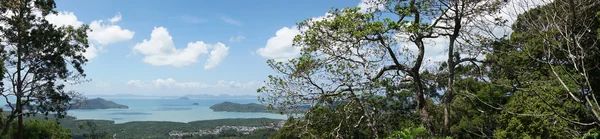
<point x="215" y="47"/>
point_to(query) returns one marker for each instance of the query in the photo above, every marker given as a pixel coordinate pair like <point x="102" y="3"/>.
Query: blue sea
<point x="169" y="110"/>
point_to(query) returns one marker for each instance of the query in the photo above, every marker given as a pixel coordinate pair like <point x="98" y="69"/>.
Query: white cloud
<point x="100" y="34"/>
<point x="172" y="83"/>
<point x="109" y="33"/>
<point x="216" y="56"/>
<point x="160" y="50"/>
<point x="136" y="83"/>
<point x="370" y="5"/>
<point x="64" y="19"/>
<point x="236" y="39"/>
<point x="509" y="12"/>
<point x="280" y="47"/>
<point x="231" y="21"/>
<point x="91" y="52"/>
<point x="115" y="19"/>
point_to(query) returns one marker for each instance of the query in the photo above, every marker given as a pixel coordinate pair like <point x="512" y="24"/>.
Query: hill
<point x="184" y="98"/>
<point x="236" y="107"/>
<point x="99" y="103"/>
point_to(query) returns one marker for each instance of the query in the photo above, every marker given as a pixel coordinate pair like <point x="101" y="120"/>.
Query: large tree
<point x="565" y="33"/>
<point x="350" y="56"/>
<point x="39" y="60"/>
<point x="541" y="79"/>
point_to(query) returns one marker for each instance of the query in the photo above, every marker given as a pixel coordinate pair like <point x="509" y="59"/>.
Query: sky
<point x="170" y="48"/>
<point x="175" y="48"/>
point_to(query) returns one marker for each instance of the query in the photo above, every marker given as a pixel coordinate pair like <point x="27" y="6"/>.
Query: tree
<point x="456" y="25"/>
<point x="39" y="59"/>
<point x="541" y="90"/>
<point x="569" y="47"/>
<point x="537" y="82"/>
<point x="558" y="38"/>
<point x="350" y="55"/>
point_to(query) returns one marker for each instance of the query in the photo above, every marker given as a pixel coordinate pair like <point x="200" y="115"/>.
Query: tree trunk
<point x="421" y="103"/>
<point x="451" y="65"/>
<point x="19" y="95"/>
<point x="450" y="88"/>
<point x="420" y="95"/>
<point x="19" y="119"/>
<point x="19" y="92"/>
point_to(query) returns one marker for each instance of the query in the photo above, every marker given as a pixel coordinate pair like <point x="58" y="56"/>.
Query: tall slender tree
<point x="39" y="59"/>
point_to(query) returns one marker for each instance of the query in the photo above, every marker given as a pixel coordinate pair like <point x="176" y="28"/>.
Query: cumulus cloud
<point x="115" y="19"/>
<point x="172" y="83"/>
<point x="370" y="5"/>
<point x="136" y="83"/>
<point x="91" y="52"/>
<point x="280" y="47"/>
<point x="64" y="18"/>
<point x="160" y="50"/>
<point x="216" y="56"/>
<point x="100" y="34"/>
<point x="231" y="21"/>
<point x="109" y="33"/>
<point x="236" y="39"/>
<point x="508" y="12"/>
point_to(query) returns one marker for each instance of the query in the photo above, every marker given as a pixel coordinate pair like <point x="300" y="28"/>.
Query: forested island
<point x="236" y="107"/>
<point x="98" y="103"/>
<point x="91" y="104"/>
<point x="183" y="98"/>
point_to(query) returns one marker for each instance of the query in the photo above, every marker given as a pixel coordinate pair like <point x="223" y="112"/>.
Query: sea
<point x="175" y="110"/>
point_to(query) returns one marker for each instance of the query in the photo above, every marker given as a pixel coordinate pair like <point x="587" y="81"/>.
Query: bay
<point x="174" y="110"/>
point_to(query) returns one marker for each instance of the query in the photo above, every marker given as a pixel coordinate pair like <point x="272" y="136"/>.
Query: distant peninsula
<point x="96" y="103"/>
<point x="236" y="107"/>
<point x="99" y="103"/>
<point x="184" y="98"/>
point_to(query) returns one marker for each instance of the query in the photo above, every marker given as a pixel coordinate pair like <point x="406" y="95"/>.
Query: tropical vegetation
<point x="365" y="73"/>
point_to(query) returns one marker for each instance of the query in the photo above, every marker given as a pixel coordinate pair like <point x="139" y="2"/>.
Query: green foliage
<point x="538" y="82"/>
<point x="409" y="133"/>
<point x="591" y="134"/>
<point x="235" y="107"/>
<point x="413" y="133"/>
<point x="151" y="129"/>
<point x="154" y="129"/>
<point x="93" y="132"/>
<point x="37" y="129"/>
<point x="343" y="120"/>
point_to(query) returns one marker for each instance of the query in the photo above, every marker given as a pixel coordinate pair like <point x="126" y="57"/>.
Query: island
<point x="236" y="107"/>
<point x="184" y="98"/>
<point x="99" y="103"/>
<point x="195" y="104"/>
<point x="91" y="104"/>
